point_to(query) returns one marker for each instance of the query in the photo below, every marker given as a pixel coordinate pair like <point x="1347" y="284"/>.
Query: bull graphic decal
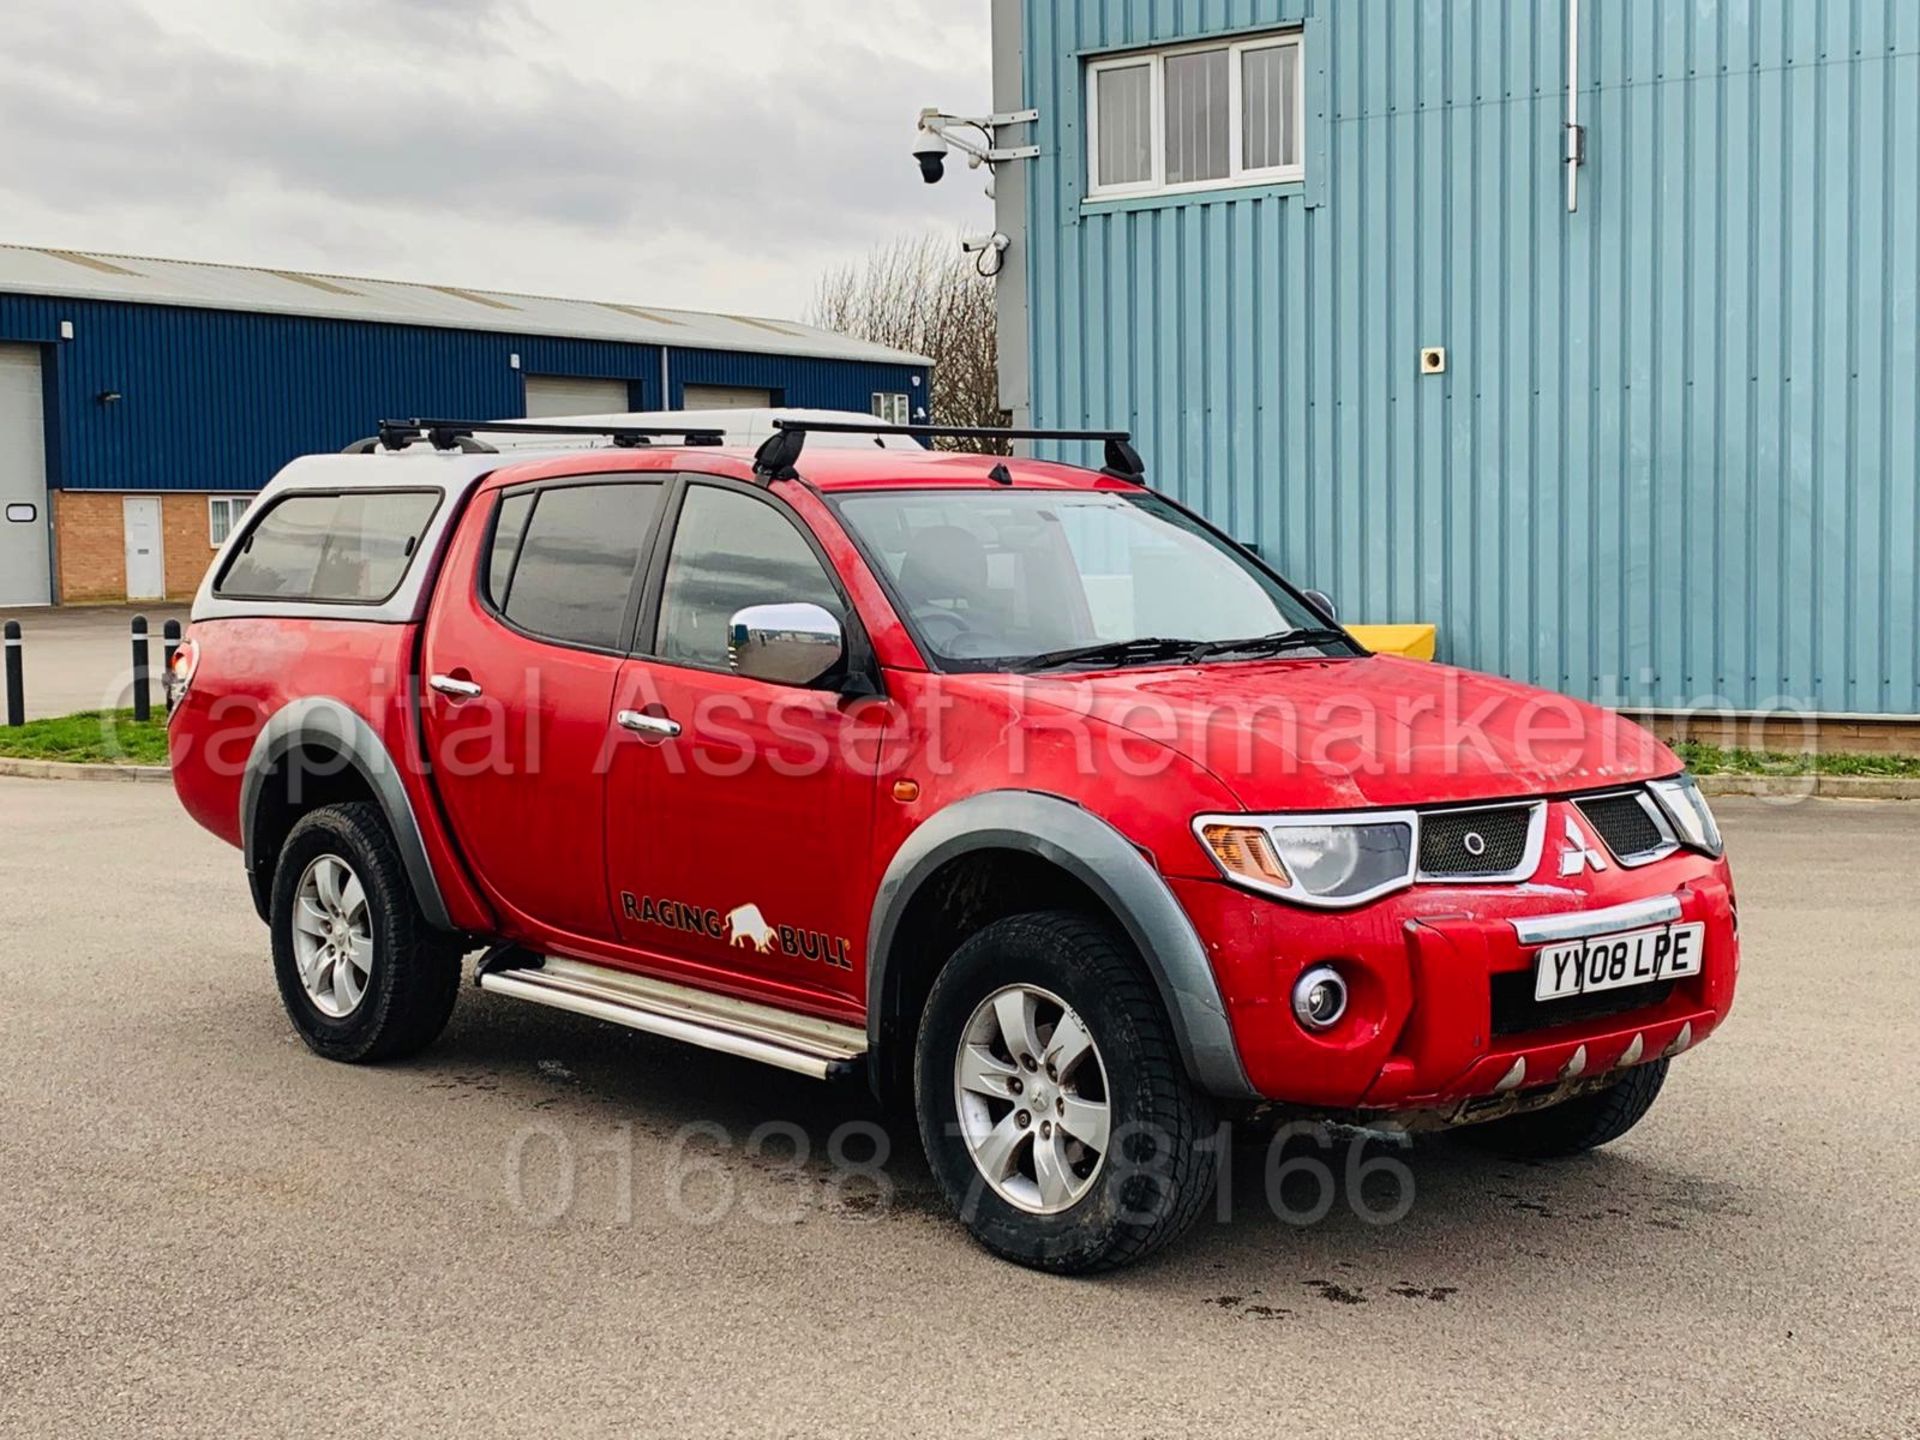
<point x="743" y="925"/>
<point x="747" y="925"/>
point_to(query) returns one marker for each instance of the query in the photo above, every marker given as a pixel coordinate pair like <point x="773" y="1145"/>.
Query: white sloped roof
<point x="72" y="274"/>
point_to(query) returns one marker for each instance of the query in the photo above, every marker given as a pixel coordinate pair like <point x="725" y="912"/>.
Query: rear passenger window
<point x="353" y="547"/>
<point x="563" y="560"/>
<point x="508" y="531"/>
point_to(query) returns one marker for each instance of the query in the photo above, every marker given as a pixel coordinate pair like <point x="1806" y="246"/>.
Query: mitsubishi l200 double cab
<point x="1011" y="789"/>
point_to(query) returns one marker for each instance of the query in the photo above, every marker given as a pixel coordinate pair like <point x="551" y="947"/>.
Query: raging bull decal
<point x="740" y="927"/>
<point x="747" y="926"/>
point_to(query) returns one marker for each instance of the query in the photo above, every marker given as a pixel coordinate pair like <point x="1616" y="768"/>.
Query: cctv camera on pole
<point x="930" y="150"/>
<point x="939" y="132"/>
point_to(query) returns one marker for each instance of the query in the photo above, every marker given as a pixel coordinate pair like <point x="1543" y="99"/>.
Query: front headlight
<point x="1323" y="860"/>
<point x="1688" y="812"/>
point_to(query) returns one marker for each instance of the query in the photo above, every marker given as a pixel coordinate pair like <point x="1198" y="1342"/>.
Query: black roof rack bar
<point x="777" y="455"/>
<point x="957" y="432"/>
<point x="448" y="434"/>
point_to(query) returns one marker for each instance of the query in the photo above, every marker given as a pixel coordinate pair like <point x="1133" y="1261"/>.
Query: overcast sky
<point x="713" y="154"/>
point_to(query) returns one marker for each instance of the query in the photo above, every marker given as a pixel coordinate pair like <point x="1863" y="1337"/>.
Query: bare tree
<point x="920" y="293"/>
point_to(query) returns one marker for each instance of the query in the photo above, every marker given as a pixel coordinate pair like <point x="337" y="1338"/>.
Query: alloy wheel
<point x="1031" y="1093"/>
<point x="333" y="937"/>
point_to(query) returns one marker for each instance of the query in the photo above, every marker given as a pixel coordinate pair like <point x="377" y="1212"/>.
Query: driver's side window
<point x="730" y="551"/>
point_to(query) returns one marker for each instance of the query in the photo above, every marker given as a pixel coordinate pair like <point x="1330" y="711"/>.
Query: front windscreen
<point x="992" y="579"/>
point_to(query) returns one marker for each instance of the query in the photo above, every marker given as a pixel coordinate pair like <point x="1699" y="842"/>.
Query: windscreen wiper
<point x="1142" y="651"/>
<point x="1274" y="644"/>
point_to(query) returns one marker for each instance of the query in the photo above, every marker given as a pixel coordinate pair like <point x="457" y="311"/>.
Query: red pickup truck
<point x="1010" y="788"/>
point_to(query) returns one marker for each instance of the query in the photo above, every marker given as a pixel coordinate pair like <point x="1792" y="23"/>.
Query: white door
<point x="725" y="397"/>
<point x="549" y="395"/>
<point x="146" y="556"/>
<point x="23" y="479"/>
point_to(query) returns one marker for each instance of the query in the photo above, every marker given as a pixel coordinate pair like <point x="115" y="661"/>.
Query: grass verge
<point x="1705" y="759"/>
<point x="92" y="737"/>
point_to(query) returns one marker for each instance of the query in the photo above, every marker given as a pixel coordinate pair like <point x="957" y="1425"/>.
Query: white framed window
<point x="892" y="408"/>
<point x="223" y="513"/>
<point x="1206" y="116"/>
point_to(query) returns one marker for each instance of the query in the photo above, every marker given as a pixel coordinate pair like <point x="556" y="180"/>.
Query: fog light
<point x="1320" y="998"/>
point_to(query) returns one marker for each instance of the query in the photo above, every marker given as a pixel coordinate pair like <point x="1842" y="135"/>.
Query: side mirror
<point x="1322" y="602"/>
<point x="792" y="644"/>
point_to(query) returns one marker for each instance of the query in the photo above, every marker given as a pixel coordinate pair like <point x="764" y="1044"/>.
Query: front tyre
<point x="1053" y="1104"/>
<point x="362" y="974"/>
<point x="1574" y="1126"/>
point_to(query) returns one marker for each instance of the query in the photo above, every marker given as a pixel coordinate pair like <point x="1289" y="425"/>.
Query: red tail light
<point x="179" y="675"/>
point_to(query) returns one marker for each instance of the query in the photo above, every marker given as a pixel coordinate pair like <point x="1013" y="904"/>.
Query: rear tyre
<point x="1573" y="1126"/>
<point x="1054" y="1107"/>
<point x="362" y="974"/>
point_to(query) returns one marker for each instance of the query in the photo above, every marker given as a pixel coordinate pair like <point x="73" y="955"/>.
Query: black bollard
<point x="169" y="647"/>
<point x="16" y="681"/>
<point x="142" y="699"/>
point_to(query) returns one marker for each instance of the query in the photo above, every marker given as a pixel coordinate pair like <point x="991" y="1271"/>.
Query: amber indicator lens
<point x="1245" y="851"/>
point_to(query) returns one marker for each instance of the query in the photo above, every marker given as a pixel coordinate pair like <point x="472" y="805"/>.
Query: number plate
<point x="1613" y="962"/>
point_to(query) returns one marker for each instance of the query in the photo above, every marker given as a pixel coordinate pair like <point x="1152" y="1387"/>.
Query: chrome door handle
<point x="648" y="724"/>
<point x="461" y="689"/>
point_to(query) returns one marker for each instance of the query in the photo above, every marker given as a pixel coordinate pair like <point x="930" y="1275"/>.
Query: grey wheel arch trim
<point x="1109" y="865"/>
<point x="330" y="723"/>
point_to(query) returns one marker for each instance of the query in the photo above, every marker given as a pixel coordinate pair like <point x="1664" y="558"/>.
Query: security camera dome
<point x="930" y="151"/>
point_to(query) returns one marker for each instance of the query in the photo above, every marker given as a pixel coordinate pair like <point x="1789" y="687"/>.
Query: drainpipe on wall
<point x="1576" y="132"/>
<point x="1010" y="219"/>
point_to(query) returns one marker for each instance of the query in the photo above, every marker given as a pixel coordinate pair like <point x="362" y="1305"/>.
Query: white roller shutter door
<point x="549" y="395"/>
<point x="23" y="479"/>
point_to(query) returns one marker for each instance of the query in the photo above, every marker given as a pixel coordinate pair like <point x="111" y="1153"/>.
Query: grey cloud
<point x="123" y="111"/>
<point x="455" y="29"/>
<point x="181" y="121"/>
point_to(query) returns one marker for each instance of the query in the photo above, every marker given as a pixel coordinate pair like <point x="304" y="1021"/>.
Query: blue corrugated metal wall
<point x="1673" y="458"/>
<point x="220" y="400"/>
<point x="794" y="381"/>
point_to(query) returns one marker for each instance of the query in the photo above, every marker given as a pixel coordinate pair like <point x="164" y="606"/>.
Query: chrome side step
<point x="800" y="1043"/>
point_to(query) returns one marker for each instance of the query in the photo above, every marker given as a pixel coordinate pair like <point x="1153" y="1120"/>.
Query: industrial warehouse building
<point x="1645" y="433"/>
<point x="142" y="402"/>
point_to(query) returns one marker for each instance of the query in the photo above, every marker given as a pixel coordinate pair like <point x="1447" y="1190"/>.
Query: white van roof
<point x="745" y="428"/>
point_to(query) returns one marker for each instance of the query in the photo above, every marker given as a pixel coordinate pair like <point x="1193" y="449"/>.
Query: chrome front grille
<point x="1485" y="843"/>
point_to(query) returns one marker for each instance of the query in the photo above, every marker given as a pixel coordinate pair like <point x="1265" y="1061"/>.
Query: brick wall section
<point x="90" y="545"/>
<point x="90" y="540"/>
<point x="183" y="521"/>
<point x="1786" y="735"/>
